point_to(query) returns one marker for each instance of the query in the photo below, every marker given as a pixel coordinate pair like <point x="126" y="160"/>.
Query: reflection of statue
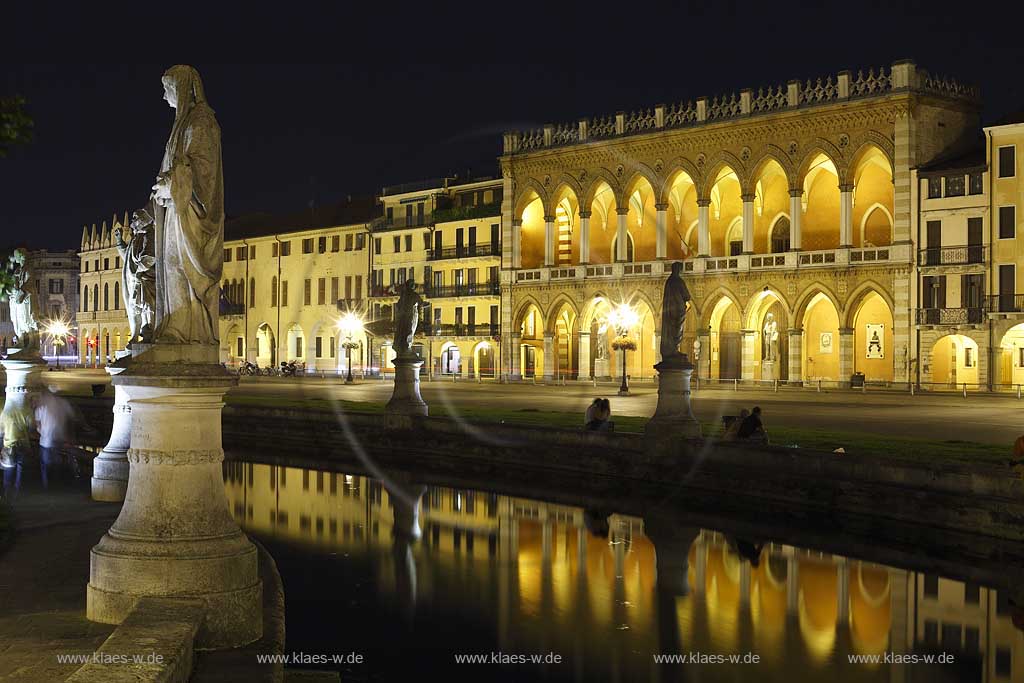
<point x="188" y="206"/>
<point x="407" y="316"/>
<point x="138" y="275"/>
<point x="673" y="313"/>
<point x="770" y="338"/>
<point x="16" y="293"/>
<point x="602" y="341"/>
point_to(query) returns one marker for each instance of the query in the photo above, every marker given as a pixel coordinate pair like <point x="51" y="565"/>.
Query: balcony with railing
<point x="229" y="309"/>
<point x="469" y="289"/>
<point x="961" y="255"/>
<point x="464" y="251"/>
<point x="386" y="328"/>
<point x="1005" y="303"/>
<point x="950" y="316"/>
<point x="461" y="213"/>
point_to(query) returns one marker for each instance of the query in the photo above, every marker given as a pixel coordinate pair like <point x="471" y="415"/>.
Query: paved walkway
<point x="43" y="575"/>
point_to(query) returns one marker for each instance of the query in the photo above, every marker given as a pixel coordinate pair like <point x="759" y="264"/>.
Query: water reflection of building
<point x="553" y="586"/>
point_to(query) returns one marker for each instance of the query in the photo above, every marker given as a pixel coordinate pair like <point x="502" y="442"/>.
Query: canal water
<point x="411" y="579"/>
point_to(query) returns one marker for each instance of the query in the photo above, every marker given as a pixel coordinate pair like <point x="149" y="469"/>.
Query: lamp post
<point x="350" y="325"/>
<point x="623" y="318"/>
<point x="57" y="330"/>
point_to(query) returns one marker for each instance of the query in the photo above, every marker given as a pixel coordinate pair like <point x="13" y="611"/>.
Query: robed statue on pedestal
<point x="407" y="316"/>
<point x="673" y="314"/>
<point x="187" y="206"/>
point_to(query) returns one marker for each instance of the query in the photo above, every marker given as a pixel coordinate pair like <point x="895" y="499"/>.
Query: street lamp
<point x="350" y="325"/>
<point x="623" y="318"/>
<point x="57" y="330"/>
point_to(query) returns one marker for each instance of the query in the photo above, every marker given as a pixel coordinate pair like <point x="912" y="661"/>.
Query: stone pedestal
<point x="110" y="467"/>
<point x="406" y="399"/>
<point x="602" y="368"/>
<point x="175" y="536"/>
<point x="769" y="370"/>
<point x="673" y="418"/>
<point x="23" y="382"/>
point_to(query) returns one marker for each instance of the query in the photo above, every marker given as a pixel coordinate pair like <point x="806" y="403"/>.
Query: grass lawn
<point x="812" y="439"/>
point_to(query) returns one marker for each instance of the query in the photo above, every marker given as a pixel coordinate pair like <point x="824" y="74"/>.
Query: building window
<point x="241" y="253"/>
<point x="348" y="242"/>
<point x="391" y="215"/>
<point x="106" y="264"/>
<point x="1007" y="161"/>
<point x="931" y="586"/>
<point x="87" y="266"/>
<point x="408" y="242"/>
<point x="335" y="243"/>
<point x="298" y="354"/>
<point x="1007" y="222"/>
<point x="252" y="251"/>
<point x="334" y="290"/>
<point x="398" y="244"/>
<point x="227" y="255"/>
<point x="56" y="286"/>
<point x="252" y="293"/>
<point x="321" y="291"/>
<point x="332" y="347"/>
<point x="376" y="245"/>
<point x="360" y="241"/>
<point x="273" y="250"/>
<point x="321" y="245"/>
<point x="117" y="296"/>
<point x="286" y="248"/>
<point x="954" y="186"/>
<point x="348" y="286"/>
<point x="96" y="264"/>
<point x="972" y="594"/>
<point x="359" y="287"/>
<point x="106" y="296"/>
<point x="273" y="292"/>
<point x="307" y="245"/>
<point x="319" y="347"/>
<point x="976" y="184"/>
<point x="968" y="357"/>
<point x="284" y="292"/>
<point x="307" y="291"/>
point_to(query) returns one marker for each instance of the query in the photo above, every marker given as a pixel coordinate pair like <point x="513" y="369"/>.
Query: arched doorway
<point x="821" y="339"/>
<point x="726" y="342"/>
<point x="484" y="353"/>
<point x="565" y="341"/>
<point x="1011" y="359"/>
<point x="295" y="343"/>
<point x="770" y="322"/>
<point x="954" y="362"/>
<point x="873" y="351"/>
<point x="451" y="359"/>
<point x="266" y="346"/>
<point x="530" y="353"/>
<point x="779" y="238"/>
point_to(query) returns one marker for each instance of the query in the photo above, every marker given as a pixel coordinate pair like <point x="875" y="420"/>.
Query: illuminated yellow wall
<point x="873" y="310"/>
<point x="949" y="361"/>
<point x="821" y="316"/>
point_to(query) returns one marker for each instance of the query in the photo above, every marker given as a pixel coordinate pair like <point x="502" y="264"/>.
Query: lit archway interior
<point x="873" y="196"/>
<point x="820" y="340"/>
<point x="820" y="203"/>
<point x="873" y="351"/>
<point x="1011" y="360"/>
<point x="723" y="214"/>
<point x="681" y="217"/>
<point x="764" y="303"/>
<point x="726" y="343"/>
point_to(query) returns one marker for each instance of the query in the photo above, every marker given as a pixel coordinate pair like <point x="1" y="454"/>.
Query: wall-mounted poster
<point x="825" y="343"/>
<point x="876" y="341"/>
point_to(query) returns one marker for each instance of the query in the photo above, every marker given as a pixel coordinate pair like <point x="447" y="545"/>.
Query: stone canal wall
<point x="901" y="498"/>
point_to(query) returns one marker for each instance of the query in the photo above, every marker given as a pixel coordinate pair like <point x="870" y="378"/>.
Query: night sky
<point x="295" y="134"/>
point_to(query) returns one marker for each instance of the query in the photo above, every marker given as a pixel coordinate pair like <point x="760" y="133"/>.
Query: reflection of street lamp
<point x="623" y="318"/>
<point x="350" y="325"/>
<point x="57" y="330"/>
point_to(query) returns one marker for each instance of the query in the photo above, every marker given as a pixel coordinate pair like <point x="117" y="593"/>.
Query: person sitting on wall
<point x="734" y="426"/>
<point x="592" y="410"/>
<point x="601" y="419"/>
<point x="752" y="429"/>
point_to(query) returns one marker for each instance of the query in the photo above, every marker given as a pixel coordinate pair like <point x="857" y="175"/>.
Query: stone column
<point x="549" y="240"/>
<point x="549" y="357"/>
<point x="671" y="554"/>
<point x="175" y="537"/>
<point x="110" y="468"/>
<point x="621" y="235"/>
<point x="748" y="223"/>
<point x="843" y="591"/>
<point x="661" y="227"/>
<point x="703" y="227"/>
<point x="584" y="356"/>
<point x="748" y="361"/>
<point x="23" y="386"/>
<point x="795" y="358"/>
<point x="846" y="215"/>
<point x="584" y="237"/>
<point x="792" y="586"/>
<point x="796" y="214"/>
<point x="406" y="399"/>
<point x="517" y="243"/>
<point x="673" y="418"/>
<point x="845" y="355"/>
<point x="516" y="356"/>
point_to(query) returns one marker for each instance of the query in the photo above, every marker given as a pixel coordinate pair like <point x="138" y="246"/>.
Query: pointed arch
<point x="530" y="190"/>
<point x="876" y="206"/>
<point x="820" y="147"/>
<point x="645" y="172"/>
<point x="862" y="146"/>
<point x="805" y="297"/>
<point x="677" y="167"/>
<point x="857" y="297"/>
<point x="523" y="308"/>
<point x="710" y="301"/>
<point x="554" y="310"/>
<point x="602" y="174"/>
<point x="770" y="154"/>
<point x="714" y="166"/>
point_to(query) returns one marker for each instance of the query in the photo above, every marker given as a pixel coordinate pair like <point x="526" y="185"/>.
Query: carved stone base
<point x="110" y="468"/>
<point x="175" y="536"/>
<point x="673" y="418"/>
<point x="406" y="399"/>
<point x="602" y="368"/>
<point x="23" y="382"/>
<point x="769" y="370"/>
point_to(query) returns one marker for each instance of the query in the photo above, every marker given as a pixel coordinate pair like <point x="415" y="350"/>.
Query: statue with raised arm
<point x="673" y="314"/>
<point x="407" y="316"/>
<point x="188" y="209"/>
<point x="138" y="275"/>
<point x="14" y="289"/>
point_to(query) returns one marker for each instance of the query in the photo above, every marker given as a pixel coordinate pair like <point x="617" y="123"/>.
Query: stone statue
<point x="187" y="205"/>
<point x="673" y="314"/>
<point x="602" y="342"/>
<point x="15" y="291"/>
<point x="770" y="338"/>
<point x="138" y="275"/>
<point x="407" y="316"/>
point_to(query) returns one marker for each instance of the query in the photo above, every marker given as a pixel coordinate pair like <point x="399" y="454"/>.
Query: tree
<point x="15" y="124"/>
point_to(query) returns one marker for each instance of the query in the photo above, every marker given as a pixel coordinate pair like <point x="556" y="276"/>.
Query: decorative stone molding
<point x="147" y="456"/>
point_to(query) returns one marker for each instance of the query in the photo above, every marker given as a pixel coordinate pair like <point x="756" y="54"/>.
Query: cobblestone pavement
<point x="43" y="575"/>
